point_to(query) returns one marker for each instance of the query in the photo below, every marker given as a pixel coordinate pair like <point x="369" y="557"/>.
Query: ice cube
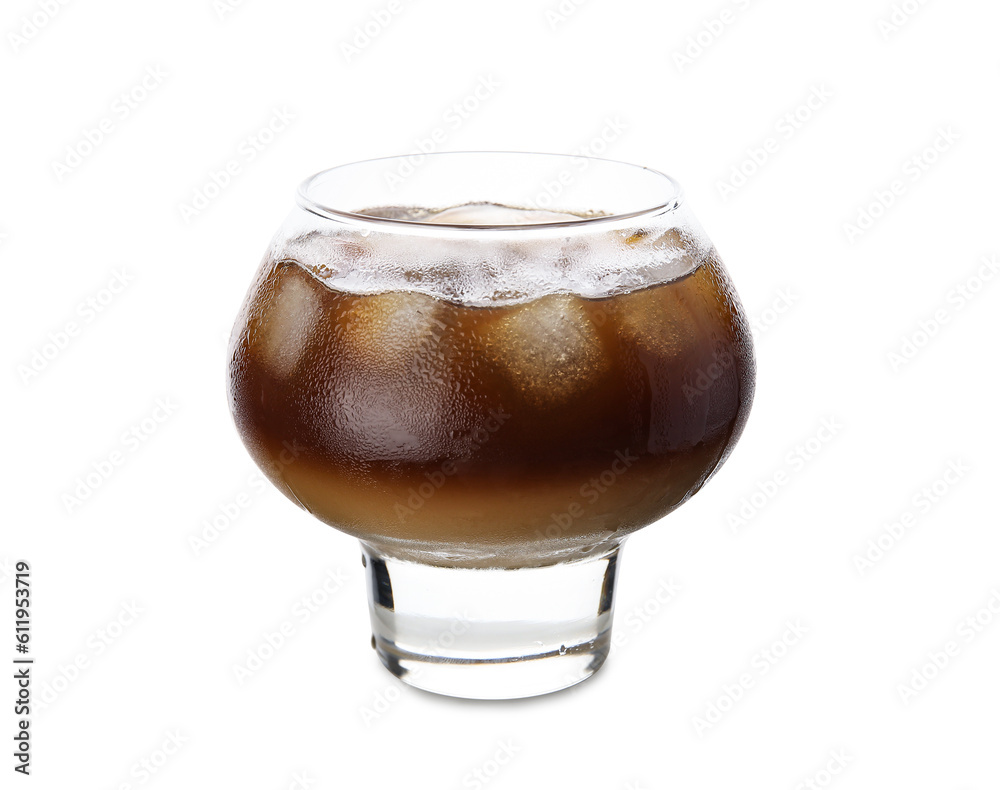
<point x="399" y="332"/>
<point x="399" y="379"/>
<point x="658" y="320"/>
<point x="493" y="214"/>
<point x="287" y="319"/>
<point x="549" y="348"/>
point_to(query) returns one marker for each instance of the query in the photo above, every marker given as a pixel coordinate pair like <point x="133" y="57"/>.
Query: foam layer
<point x="492" y="269"/>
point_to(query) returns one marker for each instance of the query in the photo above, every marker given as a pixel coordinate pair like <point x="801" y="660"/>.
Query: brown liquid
<point x="478" y="435"/>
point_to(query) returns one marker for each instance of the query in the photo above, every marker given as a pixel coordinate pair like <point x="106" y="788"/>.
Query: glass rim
<point x="669" y="195"/>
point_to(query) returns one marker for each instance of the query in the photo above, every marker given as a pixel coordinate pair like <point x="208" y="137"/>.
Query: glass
<point x="491" y="368"/>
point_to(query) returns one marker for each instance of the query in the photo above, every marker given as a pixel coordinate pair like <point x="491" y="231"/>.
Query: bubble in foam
<point x="496" y="269"/>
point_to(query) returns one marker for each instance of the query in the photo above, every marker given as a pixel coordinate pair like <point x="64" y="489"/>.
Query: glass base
<point x="491" y="633"/>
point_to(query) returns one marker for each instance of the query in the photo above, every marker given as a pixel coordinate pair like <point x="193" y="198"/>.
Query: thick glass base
<point x="491" y="633"/>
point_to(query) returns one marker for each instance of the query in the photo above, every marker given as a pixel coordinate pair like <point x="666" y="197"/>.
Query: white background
<point x="831" y="306"/>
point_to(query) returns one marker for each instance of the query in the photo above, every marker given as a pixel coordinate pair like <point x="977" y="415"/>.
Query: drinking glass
<point x="490" y="368"/>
